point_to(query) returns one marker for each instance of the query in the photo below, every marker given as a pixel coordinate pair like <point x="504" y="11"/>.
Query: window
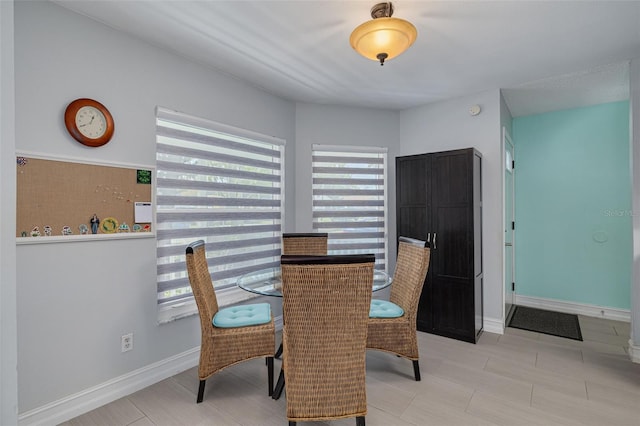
<point x="349" y="199"/>
<point x="220" y="184"/>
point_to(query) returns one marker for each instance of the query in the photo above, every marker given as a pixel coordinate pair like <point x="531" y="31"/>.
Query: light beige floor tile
<point x="537" y="376"/>
<point x="604" y="337"/>
<point x="623" y="329"/>
<point x="396" y="371"/>
<point x="485" y="381"/>
<point x="233" y="396"/>
<point x="467" y="355"/>
<point x="562" y="341"/>
<point x="168" y="403"/>
<point x="188" y="379"/>
<point x="587" y="321"/>
<point x="615" y="371"/>
<point x="557" y="347"/>
<point x="509" y="413"/>
<point x="586" y="411"/>
<point x="604" y="348"/>
<point x="494" y="349"/>
<point x="487" y="337"/>
<point x="425" y="413"/>
<point x="570" y="364"/>
<point x="255" y="372"/>
<point x="596" y="324"/>
<point x="120" y="412"/>
<point x="613" y="395"/>
<point x="387" y="398"/>
<point x="511" y="331"/>
<point x="318" y="423"/>
<point x="142" y="422"/>
<point x="438" y="391"/>
<point x="377" y="417"/>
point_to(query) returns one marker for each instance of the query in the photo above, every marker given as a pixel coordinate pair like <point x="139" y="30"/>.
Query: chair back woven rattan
<point x="314" y="244"/>
<point x="223" y="347"/>
<point x="326" y="302"/>
<point x="398" y="335"/>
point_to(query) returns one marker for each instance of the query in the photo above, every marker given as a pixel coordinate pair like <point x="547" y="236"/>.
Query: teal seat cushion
<point x="243" y="315"/>
<point x="384" y="309"/>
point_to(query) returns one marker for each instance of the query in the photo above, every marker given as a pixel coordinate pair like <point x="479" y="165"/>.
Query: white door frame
<point x="507" y="142"/>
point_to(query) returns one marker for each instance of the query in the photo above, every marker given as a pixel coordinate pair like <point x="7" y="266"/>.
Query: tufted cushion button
<point x="384" y="309"/>
<point x="242" y="316"/>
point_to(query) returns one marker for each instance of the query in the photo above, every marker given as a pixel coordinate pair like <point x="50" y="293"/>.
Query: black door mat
<point x="547" y="322"/>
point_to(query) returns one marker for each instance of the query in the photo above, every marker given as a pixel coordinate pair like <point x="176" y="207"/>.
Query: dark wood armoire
<point x="439" y="200"/>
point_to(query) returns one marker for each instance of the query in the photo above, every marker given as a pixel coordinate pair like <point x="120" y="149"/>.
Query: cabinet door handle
<point x="429" y="237"/>
<point x="434" y="241"/>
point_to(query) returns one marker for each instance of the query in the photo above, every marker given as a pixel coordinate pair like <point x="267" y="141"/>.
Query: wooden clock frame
<point x="70" y="122"/>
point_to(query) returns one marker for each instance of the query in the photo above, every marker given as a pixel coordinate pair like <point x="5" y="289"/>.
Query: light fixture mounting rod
<point x="382" y="10"/>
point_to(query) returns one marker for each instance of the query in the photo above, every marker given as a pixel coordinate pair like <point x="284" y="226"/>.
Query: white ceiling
<point x="547" y="55"/>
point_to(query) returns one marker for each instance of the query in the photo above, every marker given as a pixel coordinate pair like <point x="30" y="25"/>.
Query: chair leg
<point x="201" y="391"/>
<point x="270" y="374"/>
<point x="292" y="423"/>
<point x="360" y="421"/>
<point x="416" y="370"/>
<point x="279" y="351"/>
<point x="277" y="392"/>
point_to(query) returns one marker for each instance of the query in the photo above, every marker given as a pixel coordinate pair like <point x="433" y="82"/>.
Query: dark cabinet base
<point x="451" y="334"/>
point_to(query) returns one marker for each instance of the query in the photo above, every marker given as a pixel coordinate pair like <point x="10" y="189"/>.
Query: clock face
<point x="91" y="122"/>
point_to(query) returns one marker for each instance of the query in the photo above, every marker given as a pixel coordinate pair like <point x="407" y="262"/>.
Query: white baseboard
<point x="575" y="308"/>
<point x="493" y="325"/>
<point x="82" y="402"/>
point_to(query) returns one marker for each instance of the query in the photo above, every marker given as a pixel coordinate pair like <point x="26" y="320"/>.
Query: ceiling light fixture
<point x="383" y="37"/>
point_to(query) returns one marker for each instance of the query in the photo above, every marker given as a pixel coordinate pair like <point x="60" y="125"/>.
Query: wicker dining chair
<point x="326" y="302"/>
<point x="392" y="324"/>
<point x="314" y="244"/>
<point x="229" y="335"/>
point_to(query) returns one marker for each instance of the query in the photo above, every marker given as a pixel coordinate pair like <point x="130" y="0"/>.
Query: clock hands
<point x="87" y="124"/>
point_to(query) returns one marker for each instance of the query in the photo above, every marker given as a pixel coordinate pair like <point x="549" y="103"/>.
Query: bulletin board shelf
<point x="58" y="197"/>
<point x="83" y="238"/>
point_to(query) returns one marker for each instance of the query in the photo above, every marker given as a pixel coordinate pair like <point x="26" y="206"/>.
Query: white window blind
<point x="220" y="184"/>
<point x="349" y="199"/>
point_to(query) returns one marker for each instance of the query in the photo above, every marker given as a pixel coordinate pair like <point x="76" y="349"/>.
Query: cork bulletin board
<point x="57" y="198"/>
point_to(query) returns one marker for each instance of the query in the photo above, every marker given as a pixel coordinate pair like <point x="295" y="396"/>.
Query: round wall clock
<point x="89" y="122"/>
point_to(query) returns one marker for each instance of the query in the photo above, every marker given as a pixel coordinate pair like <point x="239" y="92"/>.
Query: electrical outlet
<point x="126" y="342"/>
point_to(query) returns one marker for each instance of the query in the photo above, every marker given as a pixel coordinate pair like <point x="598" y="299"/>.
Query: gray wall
<point x="8" y="328"/>
<point x="76" y="299"/>
<point x="333" y="125"/>
<point x="447" y="125"/>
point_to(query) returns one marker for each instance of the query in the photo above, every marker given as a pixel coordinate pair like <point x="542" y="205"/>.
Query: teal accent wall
<point x="573" y="205"/>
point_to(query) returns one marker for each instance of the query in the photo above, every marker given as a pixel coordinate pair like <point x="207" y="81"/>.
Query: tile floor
<point x="519" y="378"/>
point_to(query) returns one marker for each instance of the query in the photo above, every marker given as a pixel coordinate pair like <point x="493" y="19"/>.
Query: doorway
<point x="508" y="162"/>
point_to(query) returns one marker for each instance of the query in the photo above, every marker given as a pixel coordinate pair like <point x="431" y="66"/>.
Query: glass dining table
<point x="268" y="282"/>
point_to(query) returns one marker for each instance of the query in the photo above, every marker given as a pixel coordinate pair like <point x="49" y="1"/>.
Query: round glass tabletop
<point x="268" y="282"/>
